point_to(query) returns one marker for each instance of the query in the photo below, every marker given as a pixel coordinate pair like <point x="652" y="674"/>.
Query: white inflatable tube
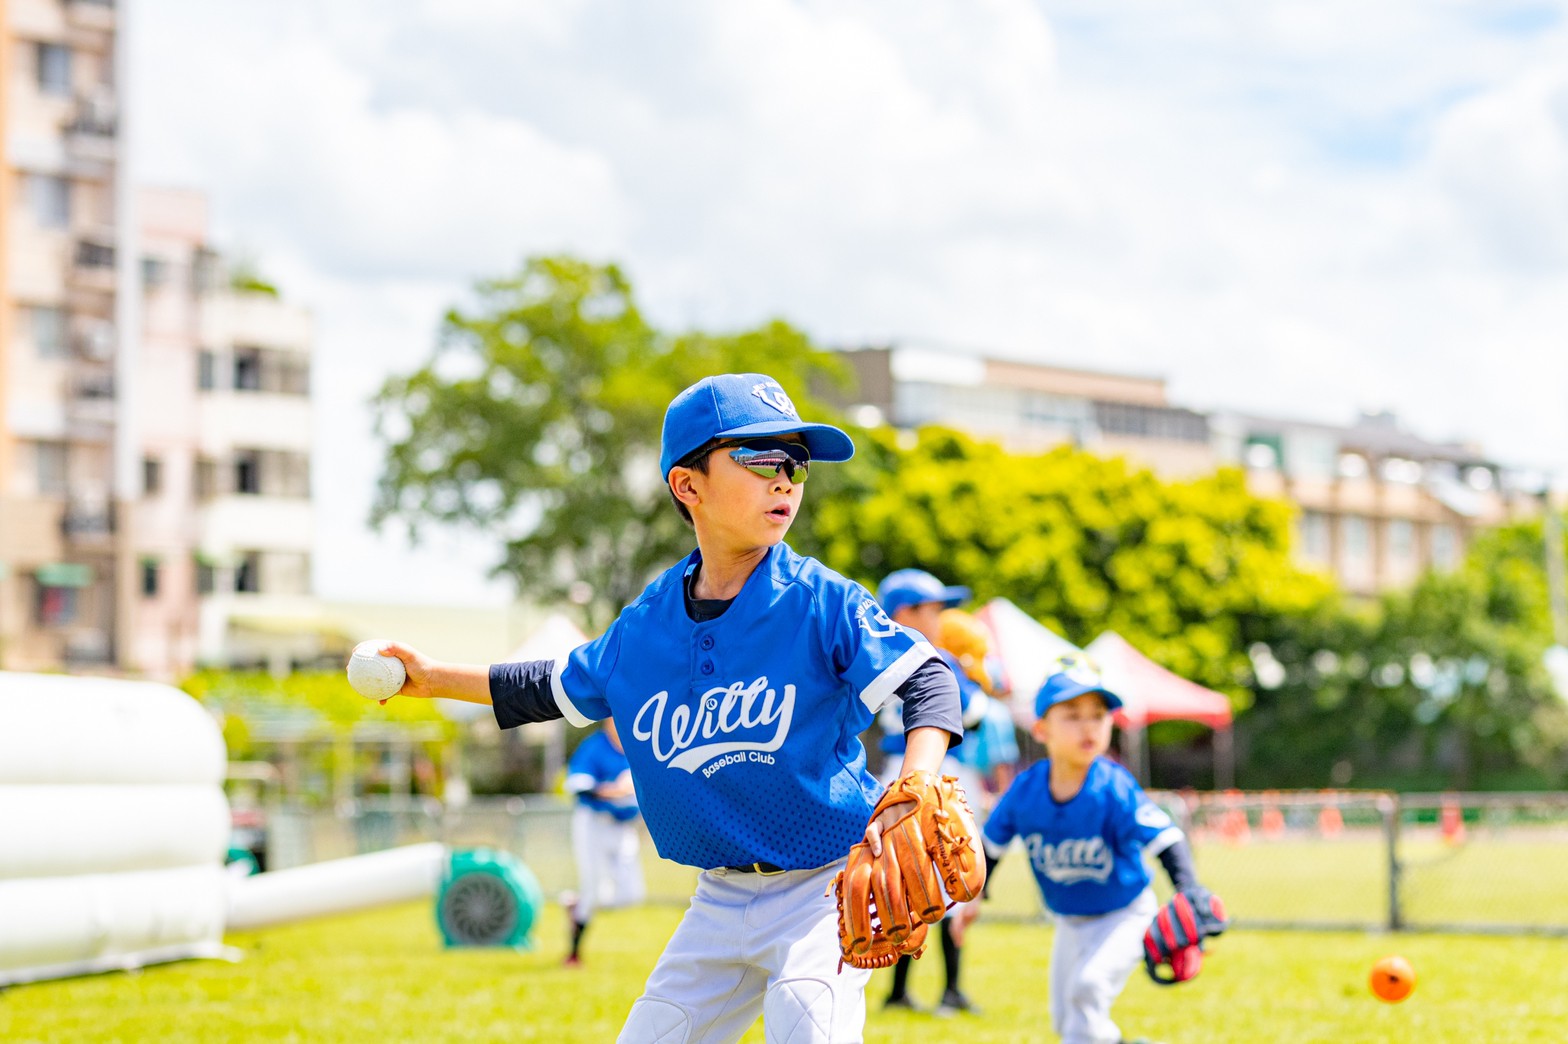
<point x="56" y="829"/>
<point x="336" y="886"/>
<point x="56" y="926"/>
<point x="66" y="729"/>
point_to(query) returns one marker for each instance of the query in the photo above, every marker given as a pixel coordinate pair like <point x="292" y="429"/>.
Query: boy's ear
<point x="1040" y="730"/>
<point x="683" y="486"/>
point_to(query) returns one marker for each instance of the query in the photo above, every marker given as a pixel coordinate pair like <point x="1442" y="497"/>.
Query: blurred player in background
<point x="604" y="831"/>
<point x="1086" y="825"/>
<point x="921" y="602"/>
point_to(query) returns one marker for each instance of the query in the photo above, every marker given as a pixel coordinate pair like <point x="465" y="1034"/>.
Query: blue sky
<point x="1299" y="208"/>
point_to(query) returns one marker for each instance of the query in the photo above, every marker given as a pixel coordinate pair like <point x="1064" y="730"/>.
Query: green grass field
<point x="383" y="976"/>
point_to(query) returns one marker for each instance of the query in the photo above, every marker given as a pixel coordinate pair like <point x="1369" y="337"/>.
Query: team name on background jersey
<point x="1071" y="861"/>
<point x="677" y="737"/>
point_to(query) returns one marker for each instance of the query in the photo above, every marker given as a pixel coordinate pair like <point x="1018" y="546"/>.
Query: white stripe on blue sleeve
<point x="1163" y="840"/>
<point x="563" y="701"/>
<point x="897" y="673"/>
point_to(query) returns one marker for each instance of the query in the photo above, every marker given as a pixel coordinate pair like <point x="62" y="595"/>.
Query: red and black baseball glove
<point x="1175" y="937"/>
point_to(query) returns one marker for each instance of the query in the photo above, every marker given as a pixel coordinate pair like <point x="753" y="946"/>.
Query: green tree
<point x="1438" y="685"/>
<point x="537" y="424"/>
<point x="1190" y="573"/>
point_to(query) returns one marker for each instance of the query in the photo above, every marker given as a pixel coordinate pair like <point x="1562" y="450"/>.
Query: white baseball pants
<point x="1090" y="962"/>
<point x="609" y="873"/>
<point x="749" y="945"/>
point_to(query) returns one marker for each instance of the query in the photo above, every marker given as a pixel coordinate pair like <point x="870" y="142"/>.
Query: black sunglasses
<point x="768" y="459"/>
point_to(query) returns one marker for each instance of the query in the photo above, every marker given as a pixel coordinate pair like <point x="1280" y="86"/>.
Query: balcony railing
<point x="92" y="254"/>
<point x="87" y="521"/>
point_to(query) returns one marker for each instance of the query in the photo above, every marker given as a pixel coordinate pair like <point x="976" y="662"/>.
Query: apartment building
<point x="1030" y="407"/>
<point x="223" y="524"/>
<point x="64" y="264"/>
<point x="1377" y="504"/>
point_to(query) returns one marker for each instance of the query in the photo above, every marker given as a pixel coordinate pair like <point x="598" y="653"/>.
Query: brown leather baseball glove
<point x="886" y="901"/>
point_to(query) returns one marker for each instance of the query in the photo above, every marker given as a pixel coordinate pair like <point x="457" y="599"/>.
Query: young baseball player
<point x="1086" y="825"/>
<point x="740" y="681"/>
<point x="604" y="831"/>
<point x="916" y="599"/>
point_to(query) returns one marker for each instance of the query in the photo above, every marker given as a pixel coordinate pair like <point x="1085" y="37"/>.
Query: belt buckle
<point x="776" y="871"/>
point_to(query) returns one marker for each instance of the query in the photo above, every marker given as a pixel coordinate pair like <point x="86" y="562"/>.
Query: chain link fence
<point x="1369" y="860"/>
<point x="1297" y="860"/>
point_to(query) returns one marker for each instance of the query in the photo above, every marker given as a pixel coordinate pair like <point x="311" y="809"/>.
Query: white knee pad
<point x="798" y="1011"/>
<point x="656" y="1021"/>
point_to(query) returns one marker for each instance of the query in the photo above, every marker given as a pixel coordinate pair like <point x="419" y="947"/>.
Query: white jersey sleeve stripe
<point x="1163" y="840"/>
<point x="580" y="782"/>
<point x="883" y="686"/>
<point x="992" y="849"/>
<point x="563" y="701"/>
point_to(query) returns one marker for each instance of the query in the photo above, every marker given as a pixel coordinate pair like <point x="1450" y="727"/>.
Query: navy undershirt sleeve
<point x="931" y="699"/>
<point x="1177" y="861"/>
<point x="520" y="693"/>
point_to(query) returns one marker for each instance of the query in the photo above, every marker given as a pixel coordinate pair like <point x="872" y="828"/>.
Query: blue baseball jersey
<point x="1086" y="853"/>
<point x="972" y="700"/>
<point x="743" y="731"/>
<point x="594" y="763"/>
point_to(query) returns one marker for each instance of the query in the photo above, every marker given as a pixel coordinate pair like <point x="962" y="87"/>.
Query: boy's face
<point x="925" y="617"/>
<point x="1077" y="731"/>
<point x="737" y="507"/>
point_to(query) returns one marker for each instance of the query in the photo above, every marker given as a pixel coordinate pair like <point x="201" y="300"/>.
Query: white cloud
<point x="1295" y="208"/>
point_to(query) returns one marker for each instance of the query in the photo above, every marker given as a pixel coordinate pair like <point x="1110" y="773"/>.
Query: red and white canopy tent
<point x="1028" y="650"/>
<point x="1151" y="693"/>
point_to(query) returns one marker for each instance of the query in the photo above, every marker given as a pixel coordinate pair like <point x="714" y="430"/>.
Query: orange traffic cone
<point x="1331" y="823"/>
<point x="1452" y="823"/>
<point x="1272" y="821"/>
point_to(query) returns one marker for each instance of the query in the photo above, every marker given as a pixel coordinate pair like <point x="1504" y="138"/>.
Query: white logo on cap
<point x="1079" y="668"/>
<point x="775" y="396"/>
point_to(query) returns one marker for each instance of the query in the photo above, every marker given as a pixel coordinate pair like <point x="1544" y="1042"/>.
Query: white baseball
<point x="373" y="675"/>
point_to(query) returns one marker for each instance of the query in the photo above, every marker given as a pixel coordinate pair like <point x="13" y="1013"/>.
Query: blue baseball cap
<point x="735" y="405"/>
<point x="1074" y="676"/>
<point x="916" y="587"/>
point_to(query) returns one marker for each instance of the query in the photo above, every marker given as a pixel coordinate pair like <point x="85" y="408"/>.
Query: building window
<point x="54" y="68"/>
<point x="1405" y="472"/>
<point x="1262" y="454"/>
<point x="1353" y="466"/>
<point x="1401" y="540"/>
<point x="247" y="472"/>
<point x="155" y="272"/>
<point x="1353" y="529"/>
<point x="48" y="329"/>
<point x="57" y="606"/>
<point x="206" y="370"/>
<point x="49" y="198"/>
<point x="52" y="475"/>
<point x="150" y="577"/>
<point x="206" y="477"/>
<point x="206" y="579"/>
<point x="247" y="575"/>
<point x="1314" y="536"/>
<point x="247" y="369"/>
<point x="1445" y="547"/>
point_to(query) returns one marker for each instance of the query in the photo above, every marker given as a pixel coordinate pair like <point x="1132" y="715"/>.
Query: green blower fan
<point x="487" y="898"/>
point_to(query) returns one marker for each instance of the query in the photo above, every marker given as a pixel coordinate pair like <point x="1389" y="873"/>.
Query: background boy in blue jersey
<point x="1086" y="825"/>
<point x="916" y="599"/>
<point x="740" y="681"/>
<point x="604" y="831"/>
